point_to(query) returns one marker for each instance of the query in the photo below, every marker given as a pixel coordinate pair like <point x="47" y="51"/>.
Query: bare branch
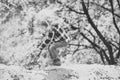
<point x="118" y="3"/>
<point x="70" y="9"/>
<point x="93" y="25"/>
<point x="101" y="54"/>
<point x="96" y="46"/>
<point x="118" y="54"/>
<point x="105" y="8"/>
<point x="106" y="43"/>
<point x="91" y="34"/>
<point x="112" y="8"/>
<point x="86" y="46"/>
<point x="114" y="22"/>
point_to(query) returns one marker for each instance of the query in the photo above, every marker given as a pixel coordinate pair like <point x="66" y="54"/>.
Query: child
<point x="54" y="38"/>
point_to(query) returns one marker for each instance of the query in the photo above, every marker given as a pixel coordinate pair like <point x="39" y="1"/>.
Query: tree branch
<point x="118" y="54"/>
<point x="101" y="54"/>
<point x="106" y="43"/>
<point x="114" y="22"/>
<point x="105" y="8"/>
<point x="96" y="46"/>
<point x="91" y="34"/>
<point x="70" y="9"/>
<point x="118" y="3"/>
<point x="112" y="8"/>
<point x="93" y="25"/>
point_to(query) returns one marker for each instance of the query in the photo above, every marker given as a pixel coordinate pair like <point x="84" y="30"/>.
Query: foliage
<point x="93" y="28"/>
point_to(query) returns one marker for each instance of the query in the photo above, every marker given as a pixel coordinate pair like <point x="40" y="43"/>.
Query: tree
<point x="102" y="34"/>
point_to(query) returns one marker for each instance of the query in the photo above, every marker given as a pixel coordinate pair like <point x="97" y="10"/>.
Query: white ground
<point x="65" y="72"/>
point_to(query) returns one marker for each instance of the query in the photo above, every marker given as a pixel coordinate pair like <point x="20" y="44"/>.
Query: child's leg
<point x="53" y="49"/>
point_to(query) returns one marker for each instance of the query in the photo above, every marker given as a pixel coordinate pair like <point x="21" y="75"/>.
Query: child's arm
<point x="46" y="41"/>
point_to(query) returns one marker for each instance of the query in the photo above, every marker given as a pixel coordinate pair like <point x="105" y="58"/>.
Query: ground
<point x="64" y="72"/>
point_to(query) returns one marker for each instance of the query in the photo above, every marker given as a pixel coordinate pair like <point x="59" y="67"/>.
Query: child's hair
<point x="44" y="23"/>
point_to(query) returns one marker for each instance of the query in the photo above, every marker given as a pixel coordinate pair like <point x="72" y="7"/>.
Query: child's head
<point x="44" y="24"/>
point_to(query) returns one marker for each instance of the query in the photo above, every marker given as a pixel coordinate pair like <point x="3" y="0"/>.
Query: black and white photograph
<point x="59" y="39"/>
